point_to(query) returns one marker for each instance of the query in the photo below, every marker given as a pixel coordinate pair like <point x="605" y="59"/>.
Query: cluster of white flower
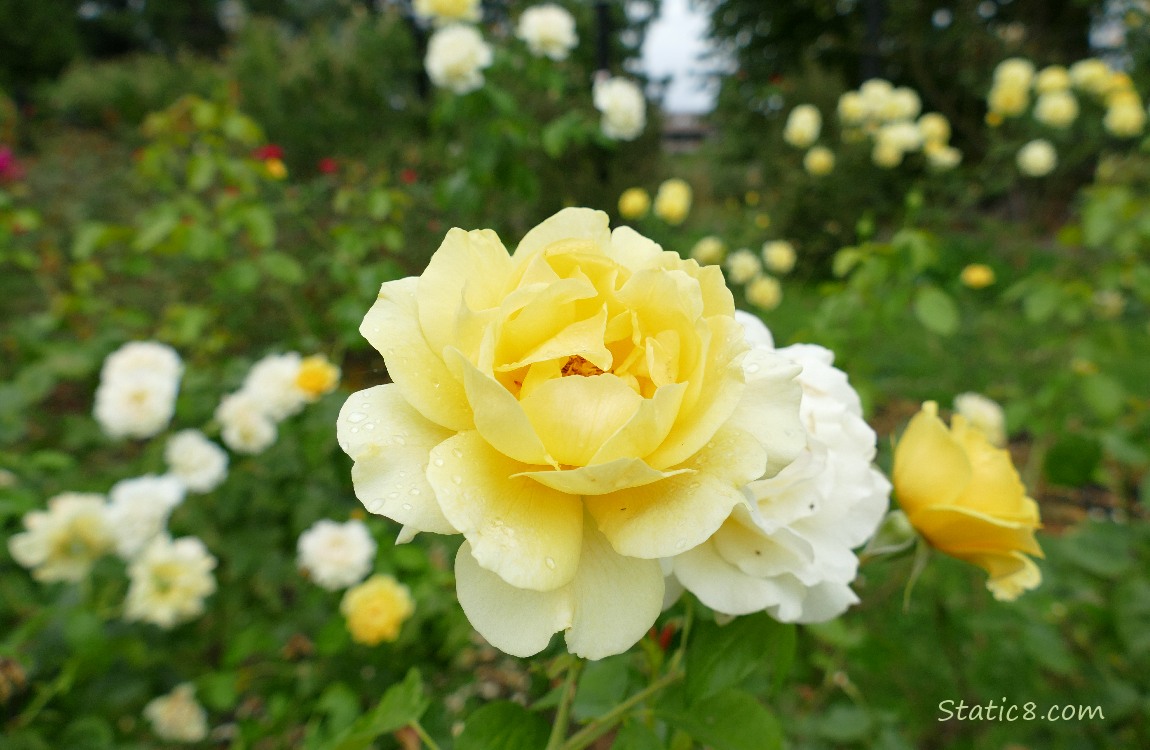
<point x="789" y="551"/>
<point x="1057" y="93"/>
<point x="891" y="117"/>
<point x="177" y="716"/>
<point x="456" y="58"/>
<point x="548" y="30"/>
<point x="169" y="581"/>
<point x="623" y="108"/>
<point x="138" y="511"/>
<point x="883" y="114"/>
<point x="63" y="543"/>
<point x="336" y="555"/>
<point x="196" y="461"/>
<point x="277" y="387"/>
<point x="137" y="393"/>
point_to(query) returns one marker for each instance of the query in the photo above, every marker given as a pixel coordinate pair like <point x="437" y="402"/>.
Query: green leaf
<point x="261" y="226"/>
<point x="936" y="310"/>
<point x="1104" y="395"/>
<point x="282" y="267"/>
<point x="503" y="725"/>
<point x="846" y="260"/>
<point x="635" y="736"/>
<point x="730" y="720"/>
<point x="1071" y="461"/>
<point x="602" y="686"/>
<point x="155" y="229"/>
<point x="1042" y="302"/>
<point x="721" y="657"/>
<point x="401" y="705"/>
<point x="1100" y="549"/>
<point x="843" y="723"/>
<point x="201" y="172"/>
<point x="1132" y="616"/>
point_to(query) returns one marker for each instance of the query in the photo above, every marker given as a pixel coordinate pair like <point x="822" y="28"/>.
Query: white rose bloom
<point x="903" y="135"/>
<point x="875" y="93"/>
<point x="1125" y="120"/>
<point x="177" y="716"/>
<point x="549" y="30"/>
<point x="942" y="158"/>
<point x="447" y="11"/>
<point x="790" y="551"/>
<point x="804" y="124"/>
<point x="135" y="405"/>
<point x="902" y="104"/>
<point x="138" y="510"/>
<point x="1037" y="158"/>
<point x="779" y="256"/>
<point x="934" y="128"/>
<point x="169" y="581"/>
<point x="1058" y="109"/>
<point x="272" y="383"/>
<point x="196" y="461"/>
<point x="336" y="555"/>
<point x="623" y="107"/>
<point x="742" y="266"/>
<point x="245" y="428"/>
<point x="64" y="542"/>
<point x="143" y="356"/>
<point x="984" y="414"/>
<point x="1091" y="75"/>
<point x="456" y="57"/>
<point x="1052" y="78"/>
<point x="886" y="155"/>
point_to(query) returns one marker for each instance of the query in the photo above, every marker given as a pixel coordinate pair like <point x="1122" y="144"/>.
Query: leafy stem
<point x="600" y="725"/>
<point x="559" y="727"/>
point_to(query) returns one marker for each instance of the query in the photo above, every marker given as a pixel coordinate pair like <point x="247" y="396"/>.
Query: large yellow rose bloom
<point x="966" y="499"/>
<point x="576" y="410"/>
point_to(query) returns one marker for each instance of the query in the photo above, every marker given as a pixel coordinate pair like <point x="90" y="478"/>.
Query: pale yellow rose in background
<point x="577" y="411"/>
<point x="803" y="126"/>
<point x="819" y="161"/>
<point x="634" y="203"/>
<point x="673" y="201"/>
<point x="966" y="499"/>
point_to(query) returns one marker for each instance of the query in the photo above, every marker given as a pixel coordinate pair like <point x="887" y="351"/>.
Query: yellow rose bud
<point x="673" y="201"/>
<point x="317" y="376"/>
<point x="993" y="119"/>
<point x="634" y="203"/>
<point x="966" y="499"/>
<point x="275" y="169"/>
<point x="376" y="609"/>
<point x="977" y="276"/>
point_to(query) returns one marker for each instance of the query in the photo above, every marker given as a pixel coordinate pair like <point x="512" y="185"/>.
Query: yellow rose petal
<point x="929" y="467"/>
<point x="527" y="534"/>
<point x="392" y="327"/>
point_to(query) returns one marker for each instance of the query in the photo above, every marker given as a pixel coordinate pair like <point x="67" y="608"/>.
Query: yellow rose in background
<point x="673" y="201"/>
<point x="577" y="410"/>
<point x="977" y="276"/>
<point x="634" y="203"/>
<point x="966" y="499"/>
<point x="376" y="609"/>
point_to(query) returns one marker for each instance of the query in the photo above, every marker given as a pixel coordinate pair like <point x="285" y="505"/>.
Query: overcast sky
<point x="673" y="47"/>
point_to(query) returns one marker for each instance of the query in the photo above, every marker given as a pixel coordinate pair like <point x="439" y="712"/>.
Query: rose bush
<point x="576" y="410"/>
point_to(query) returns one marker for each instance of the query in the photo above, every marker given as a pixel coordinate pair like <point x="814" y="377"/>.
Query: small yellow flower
<point x="634" y="203"/>
<point x="966" y="499"/>
<point x="275" y="169"/>
<point x="993" y="119"/>
<point x="779" y="256"/>
<point x="762" y="221"/>
<point x="673" y="201"/>
<point x="819" y="161"/>
<point x="317" y="376"/>
<point x="977" y="276"/>
<point x="765" y="292"/>
<point x="376" y="609"/>
<point x="752" y="198"/>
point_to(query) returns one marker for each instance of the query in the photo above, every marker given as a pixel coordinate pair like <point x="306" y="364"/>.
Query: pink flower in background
<point x="11" y="170"/>
<point x="268" y="152"/>
<point x="328" y="165"/>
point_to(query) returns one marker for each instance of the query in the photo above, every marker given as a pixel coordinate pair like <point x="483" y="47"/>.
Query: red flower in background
<point x="328" y="165"/>
<point x="11" y="169"/>
<point x="270" y="151"/>
<point x="408" y="176"/>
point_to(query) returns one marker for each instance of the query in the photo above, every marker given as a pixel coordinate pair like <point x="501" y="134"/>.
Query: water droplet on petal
<point x="457" y="453"/>
<point x="695" y="486"/>
<point x="392" y="495"/>
<point x="752" y="368"/>
<point x="356" y="416"/>
<point x="457" y="479"/>
<point x="369" y="426"/>
<point x="438" y="462"/>
<point x="407" y="506"/>
<point x="681" y="544"/>
<point x="550" y="563"/>
<point x="413" y="491"/>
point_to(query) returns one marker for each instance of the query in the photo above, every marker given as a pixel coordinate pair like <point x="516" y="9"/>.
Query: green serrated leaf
<point x="721" y="657"/>
<point x="504" y="725"/>
<point x="936" y="310"/>
<point x="401" y="705"/>
<point x="282" y="267"/>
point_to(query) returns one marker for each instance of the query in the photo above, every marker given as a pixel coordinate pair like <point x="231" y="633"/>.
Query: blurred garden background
<point x="953" y="197"/>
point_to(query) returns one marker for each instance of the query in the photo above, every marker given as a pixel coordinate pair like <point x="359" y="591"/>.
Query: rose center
<point x="576" y="365"/>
